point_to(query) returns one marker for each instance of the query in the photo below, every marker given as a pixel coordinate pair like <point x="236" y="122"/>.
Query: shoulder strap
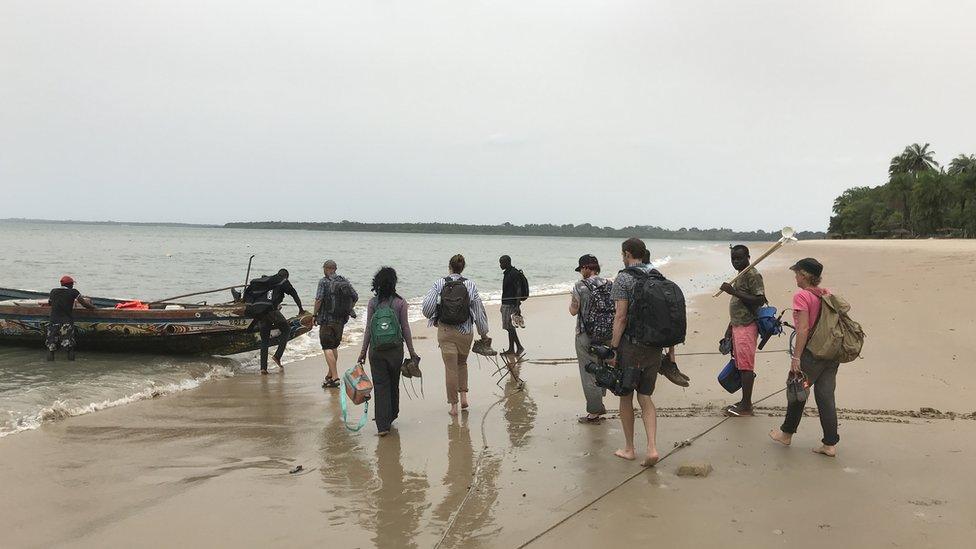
<point x="636" y="271"/>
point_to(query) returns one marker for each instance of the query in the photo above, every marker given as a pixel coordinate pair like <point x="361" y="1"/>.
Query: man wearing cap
<point x="579" y="306"/>
<point x="335" y="299"/>
<point x="61" y="327"/>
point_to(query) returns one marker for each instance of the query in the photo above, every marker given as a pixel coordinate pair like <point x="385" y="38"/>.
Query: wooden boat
<point x="165" y="329"/>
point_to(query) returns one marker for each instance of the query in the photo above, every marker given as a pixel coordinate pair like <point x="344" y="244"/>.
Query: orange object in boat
<point x="132" y="305"/>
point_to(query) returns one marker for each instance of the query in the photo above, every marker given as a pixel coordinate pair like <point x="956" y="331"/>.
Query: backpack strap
<point x="636" y="271"/>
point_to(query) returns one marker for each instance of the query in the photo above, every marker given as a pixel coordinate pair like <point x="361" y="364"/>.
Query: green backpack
<point x="385" y="331"/>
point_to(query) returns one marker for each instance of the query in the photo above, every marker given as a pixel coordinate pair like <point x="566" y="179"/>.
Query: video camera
<point x="620" y="381"/>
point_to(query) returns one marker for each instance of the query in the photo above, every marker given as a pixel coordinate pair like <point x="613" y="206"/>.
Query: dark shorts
<point x="648" y="359"/>
<point x="330" y="335"/>
<point x="507" y="312"/>
<point x="60" y="336"/>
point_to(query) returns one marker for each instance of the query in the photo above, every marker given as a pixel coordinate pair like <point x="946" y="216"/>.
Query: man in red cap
<point x="61" y="328"/>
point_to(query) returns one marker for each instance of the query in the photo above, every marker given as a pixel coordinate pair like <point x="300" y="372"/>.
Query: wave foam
<point x="60" y="409"/>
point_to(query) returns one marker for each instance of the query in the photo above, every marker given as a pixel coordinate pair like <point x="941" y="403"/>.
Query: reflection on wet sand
<point x="399" y="501"/>
<point x="460" y="466"/>
<point x="346" y="474"/>
<point x="520" y="412"/>
<point x="474" y="522"/>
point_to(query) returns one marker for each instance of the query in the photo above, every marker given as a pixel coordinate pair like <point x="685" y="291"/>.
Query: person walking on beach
<point x="387" y="330"/>
<point x="61" y="326"/>
<point x="592" y="305"/>
<point x="515" y="290"/>
<point x="748" y="294"/>
<point x="822" y="374"/>
<point x="631" y="323"/>
<point x="335" y="302"/>
<point x="454" y="306"/>
<point x="267" y="311"/>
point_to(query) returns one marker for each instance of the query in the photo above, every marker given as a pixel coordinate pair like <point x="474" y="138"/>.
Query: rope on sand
<point x="677" y="446"/>
<point x="568" y="360"/>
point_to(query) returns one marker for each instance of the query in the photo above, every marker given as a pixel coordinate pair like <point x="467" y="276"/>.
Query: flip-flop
<point x="733" y="411"/>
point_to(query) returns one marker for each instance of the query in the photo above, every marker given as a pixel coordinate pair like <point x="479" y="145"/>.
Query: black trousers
<point x="270" y="320"/>
<point x="823" y="375"/>
<point x="384" y="367"/>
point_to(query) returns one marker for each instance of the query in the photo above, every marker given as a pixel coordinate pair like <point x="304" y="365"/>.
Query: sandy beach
<point x="210" y="467"/>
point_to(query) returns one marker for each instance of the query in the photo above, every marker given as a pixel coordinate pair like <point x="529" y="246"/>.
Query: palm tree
<point x="962" y="164"/>
<point x="914" y="159"/>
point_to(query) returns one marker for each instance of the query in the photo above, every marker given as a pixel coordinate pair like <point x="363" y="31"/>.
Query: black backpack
<point x="656" y="316"/>
<point x="259" y="295"/>
<point x="455" y="305"/>
<point x="524" y="286"/>
<point x="337" y="301"/>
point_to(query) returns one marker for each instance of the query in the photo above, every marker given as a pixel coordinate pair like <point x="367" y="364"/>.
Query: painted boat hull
<point x="214" y="330"/>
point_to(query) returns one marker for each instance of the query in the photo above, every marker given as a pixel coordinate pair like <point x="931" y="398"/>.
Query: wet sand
<point x="210" y="466"/>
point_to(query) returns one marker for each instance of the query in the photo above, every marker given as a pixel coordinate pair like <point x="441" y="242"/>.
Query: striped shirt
<point x="429" y="308"/>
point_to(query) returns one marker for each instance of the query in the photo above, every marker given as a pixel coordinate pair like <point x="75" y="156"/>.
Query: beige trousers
<point x="455" y="347"/>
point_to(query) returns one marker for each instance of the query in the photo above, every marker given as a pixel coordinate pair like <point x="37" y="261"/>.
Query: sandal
<point x="330" y="383"/>
<point x="733" y="411"/>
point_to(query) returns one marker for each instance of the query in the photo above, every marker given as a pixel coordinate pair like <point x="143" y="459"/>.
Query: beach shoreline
<point x="198" y="467"/>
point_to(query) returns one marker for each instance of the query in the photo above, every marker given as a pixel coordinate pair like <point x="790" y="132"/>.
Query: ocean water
<point x="149" y="263"/>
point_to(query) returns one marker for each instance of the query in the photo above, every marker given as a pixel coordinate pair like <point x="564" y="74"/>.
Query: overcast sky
<point x="743" y="114"/>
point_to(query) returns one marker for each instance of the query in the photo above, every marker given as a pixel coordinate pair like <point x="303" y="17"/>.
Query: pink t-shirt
<point x="808" y="301"/>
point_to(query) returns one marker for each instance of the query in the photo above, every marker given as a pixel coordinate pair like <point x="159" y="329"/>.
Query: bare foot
<point x="453" y="411"/>
<point x="277" y="361"/>
<point x="382" y="433"/>
<point x="651" y="459"/>
<point x="779" y="436"/>
<point x="626" y="453"/>
<point x="464" y="401"/>
<point x="264" y="372"/>
<point x="829" y="451"/>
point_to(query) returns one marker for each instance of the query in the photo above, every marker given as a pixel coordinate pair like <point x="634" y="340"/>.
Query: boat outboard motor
<point x="620" y="381"/>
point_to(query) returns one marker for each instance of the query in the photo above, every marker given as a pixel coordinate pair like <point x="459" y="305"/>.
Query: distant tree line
<point x="920" y="199"/>
<point x="508" y="229"/>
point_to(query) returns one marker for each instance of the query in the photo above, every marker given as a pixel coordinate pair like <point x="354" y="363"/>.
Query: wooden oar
<point x="787" y="233"/>
<point x="195" y="293"/>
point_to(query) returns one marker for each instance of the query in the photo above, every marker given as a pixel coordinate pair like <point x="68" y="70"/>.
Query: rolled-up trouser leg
<point x="823" y="391"/>
<point x="455" y="347"/>
<point x="591" y="391"/>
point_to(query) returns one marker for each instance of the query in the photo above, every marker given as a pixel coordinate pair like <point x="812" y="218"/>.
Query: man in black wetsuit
<point x="61" y="327"/>
<point x="274" y="319"/>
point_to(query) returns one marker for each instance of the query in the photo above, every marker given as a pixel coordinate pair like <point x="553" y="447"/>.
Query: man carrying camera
<point x="630" y="342"/>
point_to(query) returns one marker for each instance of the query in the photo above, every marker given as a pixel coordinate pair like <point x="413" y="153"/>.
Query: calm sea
<point x="148" y="263"/>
